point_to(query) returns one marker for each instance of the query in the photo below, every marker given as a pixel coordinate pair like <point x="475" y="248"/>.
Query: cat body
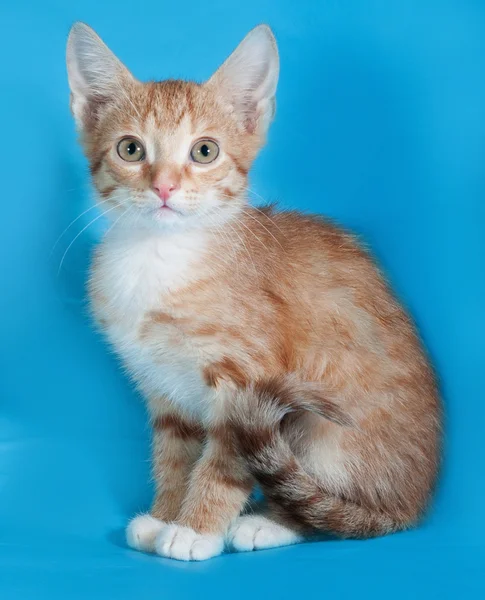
<point x="268" y="346"/>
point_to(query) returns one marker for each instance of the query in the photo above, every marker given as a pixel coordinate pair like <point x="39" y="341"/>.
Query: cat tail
<point x="257" y="420"/>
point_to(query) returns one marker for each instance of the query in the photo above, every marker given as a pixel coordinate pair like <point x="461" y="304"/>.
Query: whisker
<point x="261" y="211"/>
<point x="95" y="205"/>
<point x="269" y="219"/>
<point x="228" y="241"/>
<point x="82" y="230"/>
<point x="220" y="229"/>
<point x="69" y="227"/>
<point x="84" y="187"/>
<point x="259" y="223"/>
<point x="244" y="245"/>
<point x="111" y="227"/>
<point x="252" y="233"/>
<point x="255" y="193"/>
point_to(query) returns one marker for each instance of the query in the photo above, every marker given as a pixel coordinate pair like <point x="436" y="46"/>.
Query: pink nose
<point x="164" y="189"/>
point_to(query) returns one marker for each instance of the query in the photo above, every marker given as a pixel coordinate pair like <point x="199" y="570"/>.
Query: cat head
<point x="172" y="153"/>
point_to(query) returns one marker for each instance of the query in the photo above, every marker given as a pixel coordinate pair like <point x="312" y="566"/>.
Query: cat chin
<point x="167" y="216"/>
<point x="179" y="222"/>
<point x="161" y="220"/>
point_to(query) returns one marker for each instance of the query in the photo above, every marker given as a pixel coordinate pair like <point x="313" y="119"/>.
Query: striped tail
<point x="256" y="421"/>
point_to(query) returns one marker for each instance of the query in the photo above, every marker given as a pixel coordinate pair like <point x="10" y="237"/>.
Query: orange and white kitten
<point x="269" y="348"/>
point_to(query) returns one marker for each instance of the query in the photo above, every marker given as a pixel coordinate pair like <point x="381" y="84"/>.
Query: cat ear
<point x="94" y="72"/>
<point x="248" y="79"/>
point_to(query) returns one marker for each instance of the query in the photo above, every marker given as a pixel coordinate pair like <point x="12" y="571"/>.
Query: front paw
<point x="142" y="532"/>
<point x="183" y="543"/>
<point x="256" y="532"/>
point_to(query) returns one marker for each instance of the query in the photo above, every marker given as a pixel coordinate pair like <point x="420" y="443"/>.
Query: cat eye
<point x="131" y="150"/>
<point x="204" y="151"/>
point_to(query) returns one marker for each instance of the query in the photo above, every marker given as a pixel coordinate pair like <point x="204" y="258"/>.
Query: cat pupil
<point x="204" y="150"/>
<point x="131" y="148"/>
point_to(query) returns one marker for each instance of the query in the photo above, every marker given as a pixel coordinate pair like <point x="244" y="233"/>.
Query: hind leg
<point x="257" y="532"/>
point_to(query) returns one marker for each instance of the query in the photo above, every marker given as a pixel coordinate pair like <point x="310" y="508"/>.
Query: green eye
<point x="131" y="150"/>
<point x="204" y="151"/>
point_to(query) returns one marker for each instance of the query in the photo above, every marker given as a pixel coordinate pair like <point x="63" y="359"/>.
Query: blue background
<point x="381" y="125"/>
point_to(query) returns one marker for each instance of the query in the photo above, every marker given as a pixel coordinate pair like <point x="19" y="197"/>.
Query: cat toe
<point x="142" y="532"/>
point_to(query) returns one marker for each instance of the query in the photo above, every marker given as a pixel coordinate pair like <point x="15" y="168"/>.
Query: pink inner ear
<point x="249" y="77"/>
<point x="251" y="117"/>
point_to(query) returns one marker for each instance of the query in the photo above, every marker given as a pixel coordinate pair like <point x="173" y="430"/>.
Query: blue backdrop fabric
<point x="380" y="125"/>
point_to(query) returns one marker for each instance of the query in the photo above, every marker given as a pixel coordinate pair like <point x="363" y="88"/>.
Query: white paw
<point x="142" y="532"/>
<point x="183" y="543"/>
<point x="254" y="532"/>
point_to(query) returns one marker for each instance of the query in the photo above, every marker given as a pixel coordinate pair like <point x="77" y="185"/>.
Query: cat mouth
<point x="167" y="208"/>
<point x="164" y="211"/>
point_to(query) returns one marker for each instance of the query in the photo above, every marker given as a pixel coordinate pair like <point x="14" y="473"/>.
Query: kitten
<point x="269" y="348"/>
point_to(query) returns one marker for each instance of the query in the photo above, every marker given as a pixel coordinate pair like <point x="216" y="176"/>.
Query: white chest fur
<point x="131" y="277"/>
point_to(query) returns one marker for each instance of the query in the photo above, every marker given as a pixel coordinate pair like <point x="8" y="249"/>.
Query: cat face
<point x="173" y="153"/>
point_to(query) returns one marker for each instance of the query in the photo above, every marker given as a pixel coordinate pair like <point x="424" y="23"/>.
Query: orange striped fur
<point x="269" y="347"/>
